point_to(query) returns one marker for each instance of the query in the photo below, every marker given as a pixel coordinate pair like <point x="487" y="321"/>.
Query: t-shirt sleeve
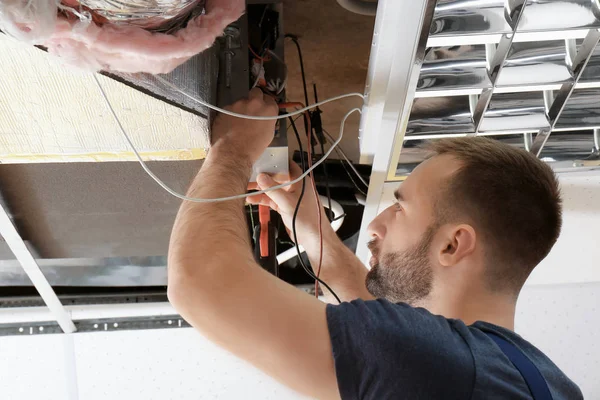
<point x="383" y="350"/>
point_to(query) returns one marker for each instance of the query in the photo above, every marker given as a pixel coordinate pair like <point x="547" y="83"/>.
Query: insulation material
<point x="50" y="114"/>
<point x="80" y="40"/>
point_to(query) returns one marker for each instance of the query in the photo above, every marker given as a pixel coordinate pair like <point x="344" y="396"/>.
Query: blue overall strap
<point x="532" y="376"/>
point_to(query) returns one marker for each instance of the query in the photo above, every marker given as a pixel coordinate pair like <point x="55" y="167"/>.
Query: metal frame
<point x="19" y="249"/>
<point x="396" y="56"/>
<point x="560" y="101"/>
<point x="497" y="63"/>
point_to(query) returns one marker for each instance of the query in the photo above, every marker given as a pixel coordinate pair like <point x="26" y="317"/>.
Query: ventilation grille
<point x="524" y="72"/>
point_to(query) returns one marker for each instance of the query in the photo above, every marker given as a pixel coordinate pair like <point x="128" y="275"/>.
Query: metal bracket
<point x="19" y="249"/>
<point x="496" y="63"/>
<point x="560" y="100"/>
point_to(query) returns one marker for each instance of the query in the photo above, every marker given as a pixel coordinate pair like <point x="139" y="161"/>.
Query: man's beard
<point x="405" y="276"/>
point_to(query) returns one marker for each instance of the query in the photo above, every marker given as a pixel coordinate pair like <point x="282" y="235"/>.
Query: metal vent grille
<point x="522" y="71"/>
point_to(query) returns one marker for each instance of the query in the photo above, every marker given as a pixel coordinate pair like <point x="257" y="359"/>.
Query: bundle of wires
<point x="273" y="87"/>
<point x="295" y="216"/>
<point x="310" y="151"/>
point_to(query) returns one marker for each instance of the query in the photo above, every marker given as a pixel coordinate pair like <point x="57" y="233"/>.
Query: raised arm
<point x="340" y="269"/>
<point x="215" y="284"/>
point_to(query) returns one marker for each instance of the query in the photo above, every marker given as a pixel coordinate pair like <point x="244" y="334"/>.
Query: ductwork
<point x="361" y="7"/>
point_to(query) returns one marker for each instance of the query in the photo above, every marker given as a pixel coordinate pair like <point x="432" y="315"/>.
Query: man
<point x="449" y="260"/>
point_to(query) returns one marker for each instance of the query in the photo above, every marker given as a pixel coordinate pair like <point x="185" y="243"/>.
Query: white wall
<point x="562" y="321"/>
<point x="575" y="257"/>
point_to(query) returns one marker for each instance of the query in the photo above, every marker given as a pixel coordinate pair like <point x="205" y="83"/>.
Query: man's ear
<point x="457" y="242"/>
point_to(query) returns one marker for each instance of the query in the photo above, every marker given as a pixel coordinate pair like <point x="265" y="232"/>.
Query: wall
<point x="562" y="321"/>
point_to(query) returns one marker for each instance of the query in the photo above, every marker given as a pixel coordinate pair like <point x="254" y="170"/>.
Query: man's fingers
<point x="262" y="200"/>
<point x="272" y="104"/>
<point x="255" y="93"/>
<point x="279" y="196"/>
<point x="295" y="170"/>
<point x="257" y="199"/>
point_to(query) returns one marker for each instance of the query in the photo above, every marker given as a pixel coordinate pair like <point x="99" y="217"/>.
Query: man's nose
<point x="376" y="228"/>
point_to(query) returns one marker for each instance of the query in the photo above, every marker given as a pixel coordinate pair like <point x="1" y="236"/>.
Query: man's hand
<point x="342" y="271"/>
<point x="284" y="201"/>
<point x="246" y="138"/>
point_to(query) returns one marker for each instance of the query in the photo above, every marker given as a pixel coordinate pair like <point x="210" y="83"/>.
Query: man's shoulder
<point x="382" y="349"/>
<point x="405" y="334"/>
<point x="391" y="316"/>
<point x="490" y="358"/>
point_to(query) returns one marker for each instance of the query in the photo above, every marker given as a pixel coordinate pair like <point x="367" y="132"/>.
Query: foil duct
<point x="153" y="15"/>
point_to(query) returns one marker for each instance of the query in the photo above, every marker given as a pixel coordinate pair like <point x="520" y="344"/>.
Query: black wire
<point x="346" y="169"/>
<point x="338" y="217"/>
<point x="352" y="179"/>
<point x="327" y="191"/>
<point x="295" y="119"/>
<point x="308" y="271"/>
<point x="322" y="140"/>
<point x="294" y="38"/>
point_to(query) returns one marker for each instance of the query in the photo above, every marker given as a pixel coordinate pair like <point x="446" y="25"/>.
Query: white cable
<point x="238" y="196"/>
<point x="339" y="150"/>
<point x="287" y="73"/>
<point x="260" y="69"/>
<point x="254" y="117"/>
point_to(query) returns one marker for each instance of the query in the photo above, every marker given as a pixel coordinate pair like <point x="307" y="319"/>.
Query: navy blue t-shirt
<point x="394" y="351"/>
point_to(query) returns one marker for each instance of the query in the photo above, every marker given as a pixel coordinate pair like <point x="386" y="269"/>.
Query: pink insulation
<point x="122" y="48"/>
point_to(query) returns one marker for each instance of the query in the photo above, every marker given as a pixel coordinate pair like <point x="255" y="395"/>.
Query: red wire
<point x="314" y="185"/>
<point x="264" y="59"/>
<point x="317" y="202"/>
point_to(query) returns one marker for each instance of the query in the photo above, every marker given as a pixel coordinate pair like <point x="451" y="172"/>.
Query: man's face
<point x="402" y="263"/>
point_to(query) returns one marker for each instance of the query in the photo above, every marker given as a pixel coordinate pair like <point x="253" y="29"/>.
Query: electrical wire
<point x="262" y="58"/>
<point x="227" y="198"/>
<point x="295" y="216"/>
<point x="311" y="151"/>
<point x="317" y="112"/>
<point x="318" y="205"/>
<point x="305" y="89"/>
<point x="260" y="68"/>
<point x="320" y="224"/>
<point x="285" y="80"/>
<point x="251" y="217"/>
<point x="352" y="179"/>
<point x="295" y="119"/>
<point x="254" y="117"/>
<point x="295" y="40"/>
<point x="341" y="152"/>
<point x="327" y="190"/>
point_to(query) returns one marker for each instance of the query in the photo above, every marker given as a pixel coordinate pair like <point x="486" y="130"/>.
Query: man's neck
<point x="494" y="309"/>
